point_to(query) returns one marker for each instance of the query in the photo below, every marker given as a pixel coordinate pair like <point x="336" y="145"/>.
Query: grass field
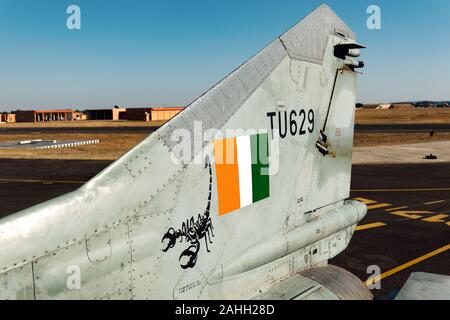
<point x="111" y="146"/>
<point x="408" y="116"/>
<point x="388" y="139"/>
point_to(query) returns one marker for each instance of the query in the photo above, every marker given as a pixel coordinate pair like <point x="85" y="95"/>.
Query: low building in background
<point x="443" y="104"/>
<point x="115" y="113"/>
<point x="7" y="117"/>
<point x="384" y="106"/>
<point x="164" y="114"/>
<point x="424" y="104"/>
<point x="402" y="106"/>
<point x="98" y="114"/>
<point x="44" y="115"/>
<point x="119" y="113"/>
<point x="139" y="114"/>
<point x="79" y="116"/>
<point x="152" y="114"/>
<point x="369" y="106"/>
<point x="25" y="116"/>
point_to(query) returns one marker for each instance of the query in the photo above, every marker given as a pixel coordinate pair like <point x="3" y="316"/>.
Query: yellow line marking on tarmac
<point x="435" y="202"/>
<point x="400" y="190"/>
<point x="40" y="181"/>
<point x="436" y="218"/>
<point x="378" y="206"/>
<point x="370" y="226"/>
<point x="411" y="214"/>
<point x="407" y="265"/>
<point x="366" y="201"/>
<point x="396" y="209"/>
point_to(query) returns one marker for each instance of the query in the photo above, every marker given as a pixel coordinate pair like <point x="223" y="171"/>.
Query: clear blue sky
<point x="141" y="53"/>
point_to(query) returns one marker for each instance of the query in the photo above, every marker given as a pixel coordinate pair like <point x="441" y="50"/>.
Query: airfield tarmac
<point x="407" y="225"/>
<point x="406" y="229"/>
<point x="394" y="128"/>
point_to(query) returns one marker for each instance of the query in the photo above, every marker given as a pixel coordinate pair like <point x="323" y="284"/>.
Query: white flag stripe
<point x="244" y="157"/>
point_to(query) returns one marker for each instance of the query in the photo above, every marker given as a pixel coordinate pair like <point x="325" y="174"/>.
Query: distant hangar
<point x="152" y="114"/>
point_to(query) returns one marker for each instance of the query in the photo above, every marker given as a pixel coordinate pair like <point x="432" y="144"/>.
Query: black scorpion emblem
<point x="192" y="232"/>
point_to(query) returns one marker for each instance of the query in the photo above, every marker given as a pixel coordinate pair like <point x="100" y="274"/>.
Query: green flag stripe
<point x="260" y="166"/>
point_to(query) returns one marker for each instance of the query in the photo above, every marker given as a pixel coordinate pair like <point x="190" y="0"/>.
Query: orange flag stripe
<point x="227" y="173"/>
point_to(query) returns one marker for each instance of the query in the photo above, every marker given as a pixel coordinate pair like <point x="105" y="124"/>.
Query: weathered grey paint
<point x="425" y="286"/>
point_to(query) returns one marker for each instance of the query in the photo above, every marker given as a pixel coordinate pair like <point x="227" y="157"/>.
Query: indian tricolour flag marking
<point x="244" y="157"/>
<point x="241" y="171"/>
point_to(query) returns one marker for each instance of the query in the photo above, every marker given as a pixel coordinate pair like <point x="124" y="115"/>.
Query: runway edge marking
<point x="370" y="226"/>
